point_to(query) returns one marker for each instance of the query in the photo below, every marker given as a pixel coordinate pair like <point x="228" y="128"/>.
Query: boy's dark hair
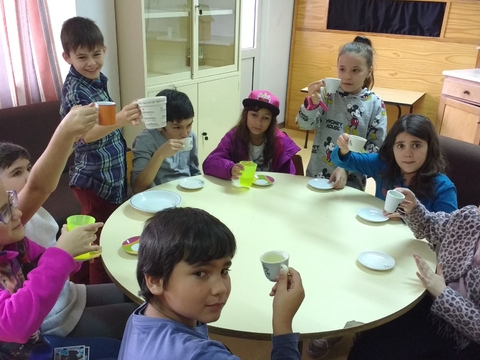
<point x="361" y="46"/>
<point x="177" y="234"/>
<point x="9" y="153"/>
<point x="80" y="32"/>
<point x="179" y="106"/>
<point x="423" y="183"/>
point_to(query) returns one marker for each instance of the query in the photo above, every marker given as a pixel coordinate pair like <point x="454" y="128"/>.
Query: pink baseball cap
<point x="264" y="99"/>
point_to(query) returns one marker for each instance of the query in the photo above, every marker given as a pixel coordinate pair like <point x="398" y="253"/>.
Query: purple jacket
<point x="220" y="161"/>
<point x="24" y="303"/>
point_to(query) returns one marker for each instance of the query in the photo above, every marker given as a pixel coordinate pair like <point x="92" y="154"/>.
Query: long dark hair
<point x="361" y="46"/>
<point x="242" y="136"/>
<point x="423" y="183"/>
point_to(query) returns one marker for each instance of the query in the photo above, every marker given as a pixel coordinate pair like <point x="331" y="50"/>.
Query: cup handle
<point x="285" y="268"/>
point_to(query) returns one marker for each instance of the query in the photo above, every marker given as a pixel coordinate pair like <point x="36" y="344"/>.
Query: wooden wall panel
<point x="311" y="14"/>
<point x="410" y="63"/>
<point x="463" y="22"/>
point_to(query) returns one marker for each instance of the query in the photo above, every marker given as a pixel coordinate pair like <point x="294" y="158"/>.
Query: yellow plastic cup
<point x="75" y="221"/>
<point x="248" y="173"/>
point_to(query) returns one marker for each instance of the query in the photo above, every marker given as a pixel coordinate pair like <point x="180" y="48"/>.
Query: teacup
<point x="393" y="199"/>
<point x="154" y="111"/>
<point x="356" y="143"/>
<point x="331" y="85"/>
<point x="273" y="261"/>
<point x="187" y="143"/>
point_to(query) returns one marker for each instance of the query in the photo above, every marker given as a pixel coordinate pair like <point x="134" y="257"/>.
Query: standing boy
<point x="158" y="155"/>
<point x="98" y="176"/>
<point x="183" y="272"/>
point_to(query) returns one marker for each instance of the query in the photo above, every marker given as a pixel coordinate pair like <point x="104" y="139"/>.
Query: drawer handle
<point x="466" y="92"/>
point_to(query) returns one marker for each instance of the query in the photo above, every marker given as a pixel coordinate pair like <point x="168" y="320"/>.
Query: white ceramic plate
<point x="376" y="260"/>
<point x="263" y="180"/>
<point x="320" y="184"/>
<point x="155" y="200"/>
<point x="372" y="214"/>
<point x="191" y="183"/>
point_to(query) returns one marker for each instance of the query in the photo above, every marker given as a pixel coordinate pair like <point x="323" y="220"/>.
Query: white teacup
<point x="356" y="143"/>
<point x="154" y="111"/>
<point x="187" y="143"/>
<point x="273" y="261"/>
<point x="393" y="199"/>
<point x="331" y="85"/>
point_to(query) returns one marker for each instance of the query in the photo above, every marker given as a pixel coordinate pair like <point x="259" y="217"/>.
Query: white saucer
<point x="191" y="183"/>
<point x="320" y="184"/>
<point x="372" y="214"/>
<point x="376" y="260"/>
<point x="155" y="200"/>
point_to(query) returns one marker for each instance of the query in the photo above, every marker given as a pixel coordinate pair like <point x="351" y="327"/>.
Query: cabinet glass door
<point x="168" y="39"/>
<point x="216" y="37"/>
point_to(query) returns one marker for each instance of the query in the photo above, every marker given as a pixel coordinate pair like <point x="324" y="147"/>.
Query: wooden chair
<point x="298" y="162"/>
<point x="463" y="164"/>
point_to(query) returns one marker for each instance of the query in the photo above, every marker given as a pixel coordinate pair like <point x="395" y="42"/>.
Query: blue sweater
<point x="371" y="165"/>
<point x="149" y="338"/>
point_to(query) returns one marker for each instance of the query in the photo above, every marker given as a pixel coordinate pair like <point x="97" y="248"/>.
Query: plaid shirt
<point x="99" y="165"/>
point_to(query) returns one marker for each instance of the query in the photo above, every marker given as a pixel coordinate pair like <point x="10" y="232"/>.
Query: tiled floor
<point x="260" y="350"/>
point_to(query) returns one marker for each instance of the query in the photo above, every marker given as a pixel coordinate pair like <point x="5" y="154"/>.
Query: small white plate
<point x="372" y="214"/>
<point x="155" y="200"/>
<point x="376" y="260"/>
<point x="320" y="184"/>
<point x="191" y="183"/>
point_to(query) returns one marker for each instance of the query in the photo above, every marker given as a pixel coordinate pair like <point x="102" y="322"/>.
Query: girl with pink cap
<point x="255" y="138"/>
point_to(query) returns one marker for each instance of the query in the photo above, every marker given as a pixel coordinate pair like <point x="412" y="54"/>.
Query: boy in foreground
<point x="183" y="264"/>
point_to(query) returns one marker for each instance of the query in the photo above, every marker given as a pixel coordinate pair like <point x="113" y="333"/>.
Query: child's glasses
<point x="6" y="214"/>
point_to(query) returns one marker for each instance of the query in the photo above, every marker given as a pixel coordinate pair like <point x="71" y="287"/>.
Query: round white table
<point x="323" y="234"/>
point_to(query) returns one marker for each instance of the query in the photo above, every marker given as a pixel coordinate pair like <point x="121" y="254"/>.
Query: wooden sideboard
<point x="459" y="108"/>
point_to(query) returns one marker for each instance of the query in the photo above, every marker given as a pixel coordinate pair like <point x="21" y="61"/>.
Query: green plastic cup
<point x="248" y="173"/>
<point x="79" y="220"/>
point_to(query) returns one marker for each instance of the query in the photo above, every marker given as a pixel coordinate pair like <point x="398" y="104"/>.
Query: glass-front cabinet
<point x="177" y="31"/>
<point x="188" y="45"/>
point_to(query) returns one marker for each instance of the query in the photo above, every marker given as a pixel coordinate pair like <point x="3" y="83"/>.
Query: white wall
<point x="275" y="27"/>
<point x="103" y="13"/>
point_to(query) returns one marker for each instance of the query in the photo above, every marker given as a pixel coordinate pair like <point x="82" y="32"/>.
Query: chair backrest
<point x="298" y="162"/>
<point x="463" y="169"/>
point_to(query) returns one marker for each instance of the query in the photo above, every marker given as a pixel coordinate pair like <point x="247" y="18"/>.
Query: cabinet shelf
<point x="172" y="13"/>
<point x="214" y="40"/>
<point x="163" y="14"/>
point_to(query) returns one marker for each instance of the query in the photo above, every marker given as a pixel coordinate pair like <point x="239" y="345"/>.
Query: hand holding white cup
<point x="356" y="143"/>
<point x="331" y="85"/>
<point x="187" y="143"/>
<point x="393" y="199"/>
<point x="273" y="261"/>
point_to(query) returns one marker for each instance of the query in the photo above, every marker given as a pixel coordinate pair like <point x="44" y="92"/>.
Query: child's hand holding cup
<point x="76" y="221"/>
<point x="273" y="261"/>
<point x="356" y="143"/>
<point x="393" y="199"/>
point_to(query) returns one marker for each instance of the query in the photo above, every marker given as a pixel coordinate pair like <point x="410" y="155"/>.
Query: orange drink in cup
<point x="248" y="173"/>
<point x="107" y="112"/>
